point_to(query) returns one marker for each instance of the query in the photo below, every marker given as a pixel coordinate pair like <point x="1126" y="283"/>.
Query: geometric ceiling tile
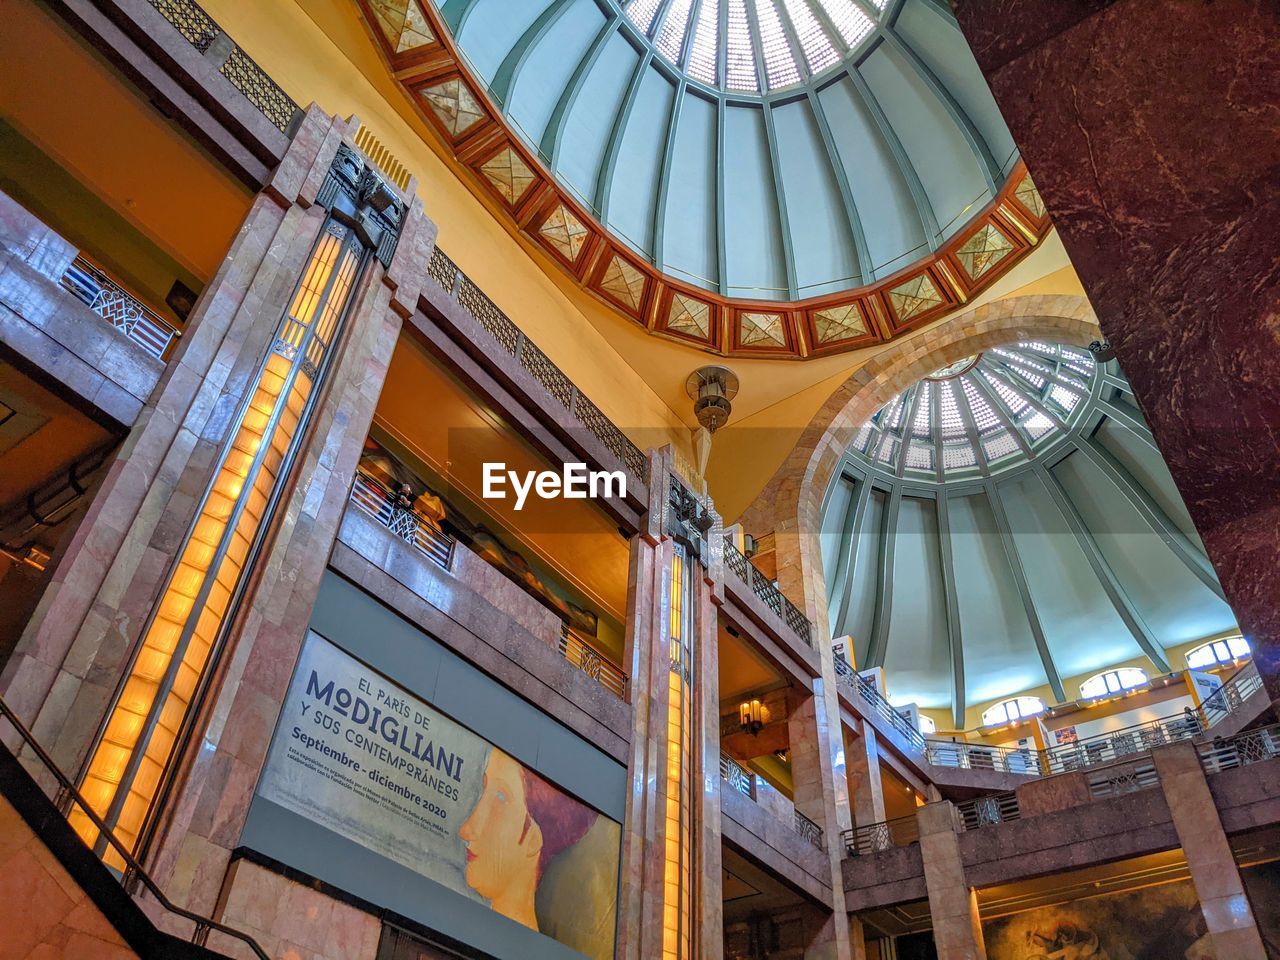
<point x="915" y="297"/>
<point x="509" y="174"/>
<point x="762" y="328"/>
<point x="690" y="316"/>
<point x="565" y="232"/>
<point x="839" y="323"/>
<point x="624" y="282"/>
<point x="1029" y="196"/>
<point x="983" y="251"/>
<point x="417" y="32"/>
<point x="454" y="105"/>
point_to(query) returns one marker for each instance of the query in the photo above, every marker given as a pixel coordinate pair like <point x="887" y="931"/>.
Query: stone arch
<point x="790" y="505"/>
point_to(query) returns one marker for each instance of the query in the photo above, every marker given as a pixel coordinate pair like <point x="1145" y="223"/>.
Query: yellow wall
<point x="287" y="40"/>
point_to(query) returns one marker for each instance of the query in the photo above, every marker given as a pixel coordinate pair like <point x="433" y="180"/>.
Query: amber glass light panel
<point x="677" y="900"/>
<point x="125" y="770"/>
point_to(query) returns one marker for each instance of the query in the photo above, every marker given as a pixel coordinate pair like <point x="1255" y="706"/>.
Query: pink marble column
<point x="70" y="659"/>
<point x="862" y="753"/>
<point x="953" y="904"/>
<point x="1227" y="912"/>
<point x="1149" y="126"/>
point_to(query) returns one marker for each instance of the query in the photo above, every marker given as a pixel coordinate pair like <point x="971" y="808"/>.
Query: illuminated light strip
<point x="677" y="893"/>
<point x="138" y="740"/>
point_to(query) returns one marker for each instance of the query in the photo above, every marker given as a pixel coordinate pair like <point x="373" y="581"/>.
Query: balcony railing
<point x="988" y="811"/>
<point x="765" y="589"/>
<point x="1128" y="776"/>
<point x="731" y="772"/>
<point x="808" y="830"/>
<point x="1230" y="697"/>
<point x="885" y="835"/>
<point x="865" y="686"/>
<point x="410" y="526"/>
<point x="976" y="756"/>
<point x="579" y="652"/>
<point x="511" y="340"/>
<point x="202" y="31"/>
<point x="122" y="310"/>
<point x="1251" y="746"/>
<point x="68" y="798"/>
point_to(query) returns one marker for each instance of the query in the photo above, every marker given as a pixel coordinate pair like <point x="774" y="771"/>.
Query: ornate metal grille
<point x="120" y="309"/>
<point x="547" y="373"/>
<point x="885" y="835"/>
<point x="259" y="89"/>
<point x="614" y="440"/>
<point x="1252" y="746"/>
<point x="737" y="778"/>
<point x="187" y="17"/>
<point x="808" y="830"/>
<point x="428" y="539"/>
<point x="442" y="270"/>
<point x="497" y="323"/>
<point x="1123" y="778"/>
<point x="768" y="593"/>
<point x="592" y="662"/>
<point x="988" y="811"/>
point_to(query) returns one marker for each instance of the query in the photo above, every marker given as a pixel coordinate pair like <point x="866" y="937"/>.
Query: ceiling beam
<point x="1152" y="513"/>
<point x="722" y="106"/>
<point x="604" y="178"/>
<point x="504" y="78"/>
<point x="1120" y="600"/>
<point x="553" y="136"/>
<point x="991" y="170"/>
<point x="455" y="14"/>
<point x="664" y="174"/>
<point x="1130" y="419"/>
<point x="1024" y="589"/>
<point x="955" y="633"/>
<point x="847" y="561"/>
<point x="866" y="269"/>
<point x="884" y="580"/>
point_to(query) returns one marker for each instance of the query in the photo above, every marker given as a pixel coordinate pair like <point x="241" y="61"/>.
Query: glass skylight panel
<point x="863" y="438"/>
<point x="642" y="12"/>
<point x="1008" y="396"/>
<point x="924" y="411"/>
<point x="706" y="33"/>
<point x="849" y="19"/>
<point x="999" y="445"/>
<point x="949" y="411"/>
<point x="983" y="415"/>
<point x="740" y="57"/>
<point x="813" y="39"/>
<point x="780" y="66"/>
<point x="671" y="36"/>
<point x="920" y="456"/>
<point x="956" y="456"/>
<point x="1037" y="425"/>
<point x="1066" y="399"/>
<point x="897" y="404"/>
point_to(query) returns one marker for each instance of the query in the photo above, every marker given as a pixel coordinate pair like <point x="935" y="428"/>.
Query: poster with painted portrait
<point x="1155" y="923"/>
<point x="361" y="756"/>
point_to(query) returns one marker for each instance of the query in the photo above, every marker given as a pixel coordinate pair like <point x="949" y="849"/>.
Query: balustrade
<point x="579" y="652"/>
<point x="411" y="527"/>
<point x="744" y="782"/>
<point x="987" y="811"/>
<point x="1251" y="746"/>
<point x="885" y="835"/>
<point x="122" y="310"/>
<point x="767" y="591"/>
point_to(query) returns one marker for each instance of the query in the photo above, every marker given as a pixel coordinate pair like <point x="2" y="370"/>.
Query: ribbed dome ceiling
<point x="1052" y="544"/>
<point x="763" y="149"/>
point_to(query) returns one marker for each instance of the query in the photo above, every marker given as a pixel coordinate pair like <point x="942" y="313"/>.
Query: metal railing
<point x="1128" y="776"/>
<point x="579" y="652"/>
<point x="1250" y="746"/>
<point x="202" y="31"/>
<point x="988" y="811"/>
<point x="808" y="830"/>
<point x="1231" y="696"/>
<point x="68" y="797"/>
<point x="411" y="527"/>
<point x="866" y="687"/>
<point x="731" y="772"/>
<point x="90" y="285"/>
<point x="767" y="591"/>
<point x="977" y="756"/>
<point x="1119" y="745"/>
<point x="512" y="341"/>
<point x="885" y="835"/>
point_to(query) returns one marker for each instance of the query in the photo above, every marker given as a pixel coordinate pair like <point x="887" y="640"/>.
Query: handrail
<point x="1229" y="697"/>
<point x="1249" y="746"/>
<point x="133" y="869"/>
<point x="987" y="811"/>
<point x="732" y="773"/>
<point x="406" y="523"/>
<point x="586" y="657"/>
<point x="1125" y="776"/>
<point x="808" y="830"/>
<point x="90" y="284"/>
<point x="767" y="591"/>
<point x="883" y="835"/>
<point x="512" y="341"/>
<point x="867" y="688"/>
<point x="981" y="756"/>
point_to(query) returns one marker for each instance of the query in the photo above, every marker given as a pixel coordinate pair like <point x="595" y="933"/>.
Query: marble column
<point x="71" y="657"/>
<point x="953" y="904"/>
<point x="1161" y="181"/>
<point x="646" y="896"/>
<point x="862" y="753"/>
<point x="1227" y="912"/>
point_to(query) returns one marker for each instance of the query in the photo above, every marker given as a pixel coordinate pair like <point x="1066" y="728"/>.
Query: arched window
<point x="1113" y="681"/>
<point x="927" y="724"/>
<point x="1012" y="710"/>
<point x="1226" y="650"/>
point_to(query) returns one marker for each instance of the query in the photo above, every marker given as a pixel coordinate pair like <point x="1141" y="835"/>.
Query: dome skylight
<point x="753" y="46"/>
<point x="979" y="414"/>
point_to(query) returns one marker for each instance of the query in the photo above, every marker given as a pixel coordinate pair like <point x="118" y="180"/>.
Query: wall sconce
<point x="752" y="716"/>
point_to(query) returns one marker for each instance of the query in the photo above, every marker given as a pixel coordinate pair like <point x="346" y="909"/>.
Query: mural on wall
<point x="363" y="757"/>
<point x="1154" y="923"/>
<point x="382" y="465"/>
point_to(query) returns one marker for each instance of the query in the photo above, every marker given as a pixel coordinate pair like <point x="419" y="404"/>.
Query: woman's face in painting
<point x="502" y="841"/>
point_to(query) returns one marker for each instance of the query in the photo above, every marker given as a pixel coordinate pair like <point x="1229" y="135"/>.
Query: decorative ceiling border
<point x="423" y="58"/>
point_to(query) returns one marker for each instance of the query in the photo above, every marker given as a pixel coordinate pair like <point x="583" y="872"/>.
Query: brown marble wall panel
<point x="464" y="618"/>
<point x="1151" y="130"/>
<point x="768" y="840"/>
<point x="884" y="878"/>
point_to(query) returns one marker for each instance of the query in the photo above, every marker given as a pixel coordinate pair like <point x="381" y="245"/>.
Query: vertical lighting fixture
<point x="145" y="728"/>
<point x="752" y="716"/>
<point x="677" y="931"/>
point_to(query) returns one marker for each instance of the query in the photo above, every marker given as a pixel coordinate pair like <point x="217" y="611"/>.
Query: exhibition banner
<point x="366" y="759"/>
